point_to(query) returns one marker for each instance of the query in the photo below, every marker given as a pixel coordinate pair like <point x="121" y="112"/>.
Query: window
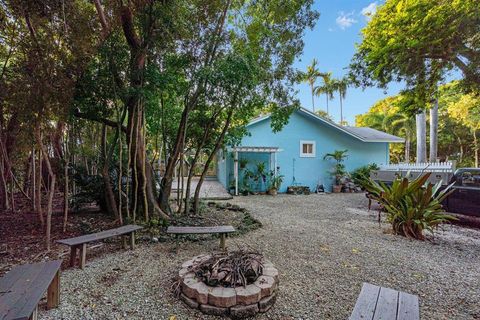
<point x="469" y="178"/>
<point x="307" y="149"/>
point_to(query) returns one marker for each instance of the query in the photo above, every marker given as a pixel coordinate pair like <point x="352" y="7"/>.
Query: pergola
<point x="272" y="151"/>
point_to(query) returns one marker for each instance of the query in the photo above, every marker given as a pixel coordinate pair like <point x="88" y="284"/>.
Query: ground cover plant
<point x="412" y="206"/>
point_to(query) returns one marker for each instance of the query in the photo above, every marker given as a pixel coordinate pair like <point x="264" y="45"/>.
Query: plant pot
<point x="337" y="188"/>
<point x="272" y="192"/>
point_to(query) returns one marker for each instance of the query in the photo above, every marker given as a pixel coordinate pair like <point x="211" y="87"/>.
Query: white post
<point x="235" y="171"/>
<point x="275" y="163"/>
<point x="421" y="137"/>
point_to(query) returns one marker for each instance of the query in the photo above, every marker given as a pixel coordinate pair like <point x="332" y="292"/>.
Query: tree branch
<point x="103" y="20"/>
<point x="129" y="29"/>
<point x="107" y="122"/>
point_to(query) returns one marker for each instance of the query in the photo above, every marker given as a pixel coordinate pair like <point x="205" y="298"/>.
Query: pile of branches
<point x="229" y="269"/>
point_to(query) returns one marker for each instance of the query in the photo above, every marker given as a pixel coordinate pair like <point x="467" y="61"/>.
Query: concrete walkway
<point x="210" y="190"/>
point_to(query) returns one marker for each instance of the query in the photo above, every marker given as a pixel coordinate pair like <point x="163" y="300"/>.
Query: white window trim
<point x="308" y="155"/>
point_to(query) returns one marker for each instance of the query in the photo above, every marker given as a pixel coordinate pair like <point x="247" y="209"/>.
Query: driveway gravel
<point x="324" y="247"/>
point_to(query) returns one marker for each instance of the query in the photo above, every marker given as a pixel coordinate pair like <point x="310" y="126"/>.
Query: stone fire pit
<point x="238" y="302"/>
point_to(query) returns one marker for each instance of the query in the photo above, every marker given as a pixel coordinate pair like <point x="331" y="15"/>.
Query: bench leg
<point x="132" y="240"/>
<point x="34" y="315"/>
<point x="222" y="241"/>
<point x="124" y="242"/>
<point x="53" y="292"/>
<point x="83" y="255"/>
<point x="73" y="255"/>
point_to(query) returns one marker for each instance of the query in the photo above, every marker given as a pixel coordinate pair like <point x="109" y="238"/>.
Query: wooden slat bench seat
<point x="375" y="303"/>
<point x="82" y="241"/>
<point x="222" y="230"/>
<point x="22" y="288"/>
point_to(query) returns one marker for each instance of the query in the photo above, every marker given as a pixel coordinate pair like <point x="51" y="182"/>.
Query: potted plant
<point x="243" y="163"/>
<point x="274" y="184"/>
<point x="338" y="171"/>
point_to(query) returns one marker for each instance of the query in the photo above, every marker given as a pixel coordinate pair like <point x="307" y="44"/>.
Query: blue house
<point x="297" y="151"/>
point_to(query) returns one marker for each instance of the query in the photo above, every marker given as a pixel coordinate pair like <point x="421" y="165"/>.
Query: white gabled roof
<point x="363" y="134"/>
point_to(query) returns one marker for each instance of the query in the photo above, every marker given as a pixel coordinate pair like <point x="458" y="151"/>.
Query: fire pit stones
<point x="236" y="302"/>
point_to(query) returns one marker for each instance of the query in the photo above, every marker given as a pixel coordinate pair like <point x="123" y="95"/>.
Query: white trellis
<point x="272" y="151"/>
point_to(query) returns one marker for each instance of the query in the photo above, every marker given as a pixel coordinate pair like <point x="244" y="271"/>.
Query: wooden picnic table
<point x="22" y="288"/>
<point x="375" y="303"/>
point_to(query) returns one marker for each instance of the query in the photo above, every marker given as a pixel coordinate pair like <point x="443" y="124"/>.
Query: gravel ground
<point x="324" y="246"/>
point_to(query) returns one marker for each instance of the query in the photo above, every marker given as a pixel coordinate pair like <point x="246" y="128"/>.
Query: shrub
<point x="411" y="206"/>
<point x="362" y="173"/>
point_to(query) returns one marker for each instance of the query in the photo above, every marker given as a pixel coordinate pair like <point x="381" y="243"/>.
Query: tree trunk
<point x="167" y="179"/>
<point x="38" y="189"/>
<point x="44" y="156"/>
<point x="434" y="132"/>
<point x="327" y="105"/>
<point x="3" y="187"/>
<point x="313" y="99"/>
<point x="421" y="137"/>
<point x="109" y="195"/>
<point x="209" y="160"/>
<point x="407" y="149"/>
<point x="141" y="169"/>
<point x="461" y="151"/>
<point x="49" y="209"/>
<point x="475" y="147"/>
<point x="341" y="111"/>
<point x="66" y="186"/>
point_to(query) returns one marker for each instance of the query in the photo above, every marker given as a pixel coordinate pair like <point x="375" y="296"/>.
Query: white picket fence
<point x="448" y="166"/>
<point x="440" y="171"/>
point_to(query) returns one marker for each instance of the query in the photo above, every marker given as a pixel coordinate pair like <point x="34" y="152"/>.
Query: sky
<point x="332" y="43"/>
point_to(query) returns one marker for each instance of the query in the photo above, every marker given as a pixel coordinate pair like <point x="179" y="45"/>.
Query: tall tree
<point x="404" y="124"/>
<point x="421" y="124"/>
<point x="405" y="37"/>
<point x="434" y="131"/>
<point x="311" y="76"/>
<point x="341" y="86"/>
<point x="467" y="110"/>
<point x="327" y="88"/>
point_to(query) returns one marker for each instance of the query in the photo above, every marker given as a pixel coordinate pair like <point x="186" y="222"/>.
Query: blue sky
<point x="332" y="43"/>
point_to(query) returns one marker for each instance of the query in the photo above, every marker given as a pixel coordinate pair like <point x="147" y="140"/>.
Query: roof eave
<point x="387" y="141"/>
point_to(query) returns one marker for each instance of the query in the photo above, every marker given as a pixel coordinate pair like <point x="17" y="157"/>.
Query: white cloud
<point x="331" y="29"/>
<point x="369" y="10"/>
<point x="345" y="20"/>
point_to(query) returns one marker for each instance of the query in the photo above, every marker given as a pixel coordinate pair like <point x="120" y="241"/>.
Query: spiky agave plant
<point x="412" y="206"/>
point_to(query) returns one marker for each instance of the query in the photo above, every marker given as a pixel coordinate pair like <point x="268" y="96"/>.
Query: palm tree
<point x="328" y="87"/>
<point x="421" y="125"/>
<point x="341" y="87"/>
<point x="404" y="125"/>
<point x="311" y="77"/>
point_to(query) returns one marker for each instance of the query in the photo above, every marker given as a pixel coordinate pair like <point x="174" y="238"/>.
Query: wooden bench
<point x="22" y="288"/>
<point x="378" y="303"/>
<point x="82" y="241"/>
<point x="222" y="230"/>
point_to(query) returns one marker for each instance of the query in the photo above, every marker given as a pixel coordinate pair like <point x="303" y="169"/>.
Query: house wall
<point x="308" y="171"/>
<point x="224" y="167"/>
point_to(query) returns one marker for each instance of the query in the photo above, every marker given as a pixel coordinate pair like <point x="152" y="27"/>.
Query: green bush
<point x="411" y="206"/>
<point x="361" y="174"/>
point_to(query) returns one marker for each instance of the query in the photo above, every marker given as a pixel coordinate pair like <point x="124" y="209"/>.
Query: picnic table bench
<point x="222" y="230"/>
<point x="22" y="288"/>
<point x="82" y="241"/>
<point x="375" y="303"/>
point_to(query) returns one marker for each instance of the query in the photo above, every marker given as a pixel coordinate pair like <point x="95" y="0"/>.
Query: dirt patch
<point x="22" y="239"/>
